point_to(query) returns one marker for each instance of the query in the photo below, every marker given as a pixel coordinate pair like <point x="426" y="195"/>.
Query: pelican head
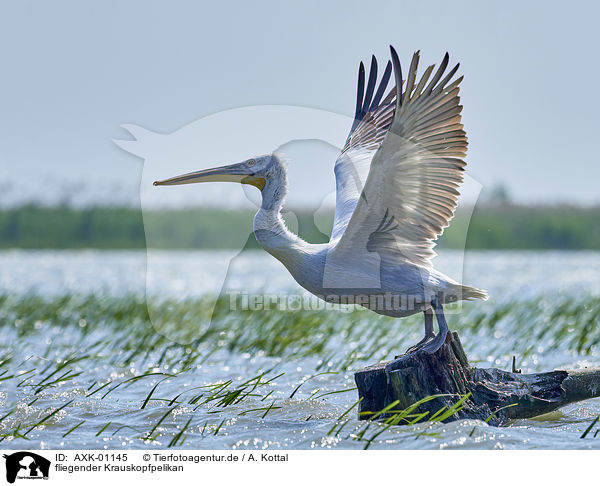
<point x="252" y="171"/>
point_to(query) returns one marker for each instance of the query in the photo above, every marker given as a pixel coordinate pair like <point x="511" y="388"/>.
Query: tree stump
<point x="412" y="377"/>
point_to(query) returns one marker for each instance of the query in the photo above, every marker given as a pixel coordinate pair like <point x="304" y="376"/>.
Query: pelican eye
<point x="251" y="162"/>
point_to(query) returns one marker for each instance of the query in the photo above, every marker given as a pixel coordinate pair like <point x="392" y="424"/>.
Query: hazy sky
<point x="73" y="72"/>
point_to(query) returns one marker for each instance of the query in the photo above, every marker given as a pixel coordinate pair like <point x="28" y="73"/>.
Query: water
<point x="506" y="275"/>
<point x="267" y="417"/>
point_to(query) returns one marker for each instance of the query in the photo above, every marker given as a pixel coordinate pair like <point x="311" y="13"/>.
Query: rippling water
<point x="268" y="417"/>
<point x="505" y="274"/>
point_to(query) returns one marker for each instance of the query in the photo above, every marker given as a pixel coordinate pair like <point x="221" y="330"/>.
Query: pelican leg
<point x="439" y="339"/>
<point x="429" y="334"/>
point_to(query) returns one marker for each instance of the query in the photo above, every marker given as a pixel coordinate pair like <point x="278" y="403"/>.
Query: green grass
<point x="173" y="337"/>
<point x="113" y="333"/>
<point x="565" y="322"/>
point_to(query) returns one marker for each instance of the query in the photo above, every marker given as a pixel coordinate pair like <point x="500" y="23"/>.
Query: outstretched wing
<point x="372" y="120"/>
<point x="416" y="170"/>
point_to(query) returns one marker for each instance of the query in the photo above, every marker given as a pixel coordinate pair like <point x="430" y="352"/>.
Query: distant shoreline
<point x="499" y="227"/>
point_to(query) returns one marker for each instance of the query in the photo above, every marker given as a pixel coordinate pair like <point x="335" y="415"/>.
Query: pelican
<point x="397" y="180"/>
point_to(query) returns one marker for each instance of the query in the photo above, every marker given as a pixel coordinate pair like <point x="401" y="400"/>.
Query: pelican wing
<point x="414" y="173"/>
<point x="372" y="119"/>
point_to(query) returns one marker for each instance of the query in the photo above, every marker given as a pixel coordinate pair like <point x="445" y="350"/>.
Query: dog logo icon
<point x="26" y="465"/>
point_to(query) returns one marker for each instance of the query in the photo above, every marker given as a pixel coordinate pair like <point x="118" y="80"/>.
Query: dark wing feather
<point x="414" y="153"/>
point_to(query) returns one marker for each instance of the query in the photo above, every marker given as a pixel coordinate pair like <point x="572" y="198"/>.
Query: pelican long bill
<point x="240" y="173"/>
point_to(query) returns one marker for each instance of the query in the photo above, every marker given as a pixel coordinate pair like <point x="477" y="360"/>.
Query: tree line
<point x="490" y="227"/>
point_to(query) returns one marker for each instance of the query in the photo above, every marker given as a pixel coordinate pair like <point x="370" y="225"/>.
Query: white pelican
<point x="396" y="190"/>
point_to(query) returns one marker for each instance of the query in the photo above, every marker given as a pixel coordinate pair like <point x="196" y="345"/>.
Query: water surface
<point x="108" y="346"/>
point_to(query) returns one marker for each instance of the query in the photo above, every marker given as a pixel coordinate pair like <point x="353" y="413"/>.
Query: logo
<point x="26" y="465"/>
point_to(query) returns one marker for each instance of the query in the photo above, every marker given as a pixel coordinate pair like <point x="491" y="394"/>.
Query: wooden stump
<point x="414" y="376"/>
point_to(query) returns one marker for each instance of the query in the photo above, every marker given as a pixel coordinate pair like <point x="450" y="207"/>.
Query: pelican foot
<point x="420" y="345"/>
<point x="429" y="344"/>
<point x="435" y="344"/>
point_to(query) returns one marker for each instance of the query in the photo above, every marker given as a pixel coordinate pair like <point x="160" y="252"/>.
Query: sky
<point x="73" y="72"/>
